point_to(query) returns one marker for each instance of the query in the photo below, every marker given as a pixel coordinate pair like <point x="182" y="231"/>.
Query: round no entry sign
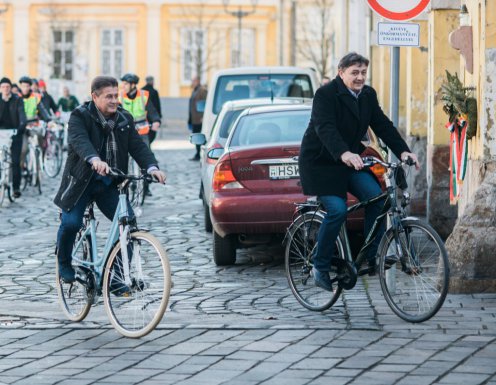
<point x="398" y="10"/>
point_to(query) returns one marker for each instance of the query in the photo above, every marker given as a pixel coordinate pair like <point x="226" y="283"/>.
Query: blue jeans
<point x="106" y="197"/>
<point x="363" y="186"/>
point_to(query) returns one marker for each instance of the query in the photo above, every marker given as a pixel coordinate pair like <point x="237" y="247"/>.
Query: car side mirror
<point x="198" y="139"/>
<point x="215" y="153"/>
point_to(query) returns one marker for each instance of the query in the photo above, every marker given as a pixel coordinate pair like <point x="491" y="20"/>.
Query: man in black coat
<point x="155" y="100"/>
<point x="12" y="116"/>
<point x="101" y="135"/>
<point x="330" y="163"/>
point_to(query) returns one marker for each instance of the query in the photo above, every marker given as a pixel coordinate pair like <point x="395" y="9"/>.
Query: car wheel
<point x="224" y="249"/>
<point x="207" y="220"/>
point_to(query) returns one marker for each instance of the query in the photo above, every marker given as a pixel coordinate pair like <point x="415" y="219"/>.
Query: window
<point x="193" y="55"/>
<point x="247" y="48"/>
<point x="112" y="52"/>
<point x="63" y="54"/>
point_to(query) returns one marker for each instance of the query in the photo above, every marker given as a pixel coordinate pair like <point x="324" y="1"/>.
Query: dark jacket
<point x="48" y="102"/>
<point x="17" y="114"/>
<point x="154" y="98"/>
<point x="199" y="94"/>
<point x="86" y="140"/>
<point x="338" y="123"/>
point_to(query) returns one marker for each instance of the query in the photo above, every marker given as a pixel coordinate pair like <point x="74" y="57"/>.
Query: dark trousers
<point x="197" y="128"/>
<point x="106" y="198"/>
<point x="363" y="186"/>
<point x="15" y="150"/>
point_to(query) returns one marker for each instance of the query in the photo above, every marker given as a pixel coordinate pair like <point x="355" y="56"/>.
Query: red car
<point x="256" y="181"/>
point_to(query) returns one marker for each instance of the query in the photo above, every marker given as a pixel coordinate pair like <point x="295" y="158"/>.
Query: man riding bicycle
<point x="101" y="136"/>
<point x="330" y="163"/>
<point x="12" y="116"/>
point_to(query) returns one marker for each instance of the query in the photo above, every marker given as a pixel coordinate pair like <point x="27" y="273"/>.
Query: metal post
<point x="240" y="20"/>
<point x="293" y="32"/>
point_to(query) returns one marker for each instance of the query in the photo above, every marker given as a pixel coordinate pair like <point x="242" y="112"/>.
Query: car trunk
<point x="268" y="169"/>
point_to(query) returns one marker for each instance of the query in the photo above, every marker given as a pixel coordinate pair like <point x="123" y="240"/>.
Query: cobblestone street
<point x="231" y="325"/>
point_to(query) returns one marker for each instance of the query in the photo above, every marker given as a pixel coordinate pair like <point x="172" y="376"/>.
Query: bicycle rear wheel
<point x="415" y="287"/>
<point x="76" y="298"/>
<point x="53" y="158"/>
<point x="300" y="246"/>
<point x="136" y="309"/>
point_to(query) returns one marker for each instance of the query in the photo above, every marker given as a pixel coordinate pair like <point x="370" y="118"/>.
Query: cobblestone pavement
<point x="232" y="325"/>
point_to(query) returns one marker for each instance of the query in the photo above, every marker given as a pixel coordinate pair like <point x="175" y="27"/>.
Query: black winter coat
<point x="338" y="123"/>
<point x="154" y="98"/>
<point x="17" y="114"/>
<point x="86" y="140"/>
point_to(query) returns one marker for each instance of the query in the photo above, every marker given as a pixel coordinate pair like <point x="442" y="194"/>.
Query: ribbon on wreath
<point x="458" y="155"/>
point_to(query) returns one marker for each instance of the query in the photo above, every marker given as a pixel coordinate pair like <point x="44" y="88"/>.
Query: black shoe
<point x="148" y="193"/>
<point x="119" y="288"/>
<point x="322" y="279"/>
<point x="17" y="194"/>
<point x="389" y="261"/>
<point x="195" y="158"/>
<point x="67" y="273"/>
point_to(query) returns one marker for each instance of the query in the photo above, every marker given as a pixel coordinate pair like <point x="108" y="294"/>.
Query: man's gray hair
<point x="149" y="79"/>
<point x="351" y="59"/>
<point x="100" y="82"/>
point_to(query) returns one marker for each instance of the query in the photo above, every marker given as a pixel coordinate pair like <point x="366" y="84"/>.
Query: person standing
<point x="46" y="98"/>
<point x="196" y="108"/>
<point x="101" y="136"/>
<point x="12" y="116"/>
<point x="67" y="102"/>
<point x="330" y="164"/>
<point x="155" y="100"/>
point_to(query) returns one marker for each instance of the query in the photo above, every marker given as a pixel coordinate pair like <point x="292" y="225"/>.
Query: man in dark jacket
<point x="46" y="98"/>
<point x="155" y="100"/>
<point x="330" y="163"/>
<point x="12" y="117"/>
<point x="101" y="135"/>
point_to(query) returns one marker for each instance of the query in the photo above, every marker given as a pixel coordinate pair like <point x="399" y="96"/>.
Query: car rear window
<point x="228" y="122"/>
<point x="234" y="87"/>
<point x="270" y="128"/>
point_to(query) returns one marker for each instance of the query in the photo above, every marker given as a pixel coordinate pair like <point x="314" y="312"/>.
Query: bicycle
<point x="33" y="162"/>
<point x="6" y="188"/>
<point x="413" y="262"/>
<point x="136" y="187"/>
<point x="135" y="280"/>
<point x="53" y="155"/>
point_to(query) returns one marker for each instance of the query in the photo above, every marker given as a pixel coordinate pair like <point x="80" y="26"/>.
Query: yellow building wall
<point x="7" y="18"/>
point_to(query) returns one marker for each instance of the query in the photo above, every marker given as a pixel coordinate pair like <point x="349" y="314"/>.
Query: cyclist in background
<point x="101" y="135"/>
<point x="137" y="103"/>
<point x="46" y="98"/>
<point x="12" y="116"/>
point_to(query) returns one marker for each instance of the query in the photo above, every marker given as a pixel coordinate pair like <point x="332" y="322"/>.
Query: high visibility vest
<point x="137" y="108"/>
<point x="31" y="106"/>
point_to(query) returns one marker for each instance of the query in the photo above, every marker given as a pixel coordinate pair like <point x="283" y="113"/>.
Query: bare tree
<point x="316" y="43"/>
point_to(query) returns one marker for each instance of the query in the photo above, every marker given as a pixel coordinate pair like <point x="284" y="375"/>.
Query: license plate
<point x="284" y="171"/>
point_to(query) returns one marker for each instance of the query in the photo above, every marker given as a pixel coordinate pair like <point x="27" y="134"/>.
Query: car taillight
<point x="378" y="170"/>
<point x="224" y="178"/>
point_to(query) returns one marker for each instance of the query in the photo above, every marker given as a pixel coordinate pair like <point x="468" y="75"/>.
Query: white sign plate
<point x="398" y="34"/>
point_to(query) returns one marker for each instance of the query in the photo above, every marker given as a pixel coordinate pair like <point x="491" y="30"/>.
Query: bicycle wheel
<point x="53" y="158"/>
<point x="415" y="286"/>
<point x="76" y="298"/>
<point x="302" y="241"/>
<point x="27" y="171"/>
<point x="38" y="168"/>
<point x="3" y="179"/>
<point x="136" y="309"/>
<point x="136" y="187"/>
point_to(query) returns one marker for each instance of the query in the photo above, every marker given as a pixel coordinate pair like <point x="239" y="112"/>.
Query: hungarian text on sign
<point x="398" y="34"/>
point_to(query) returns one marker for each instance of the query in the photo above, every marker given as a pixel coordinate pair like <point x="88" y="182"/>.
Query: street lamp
<point x="240" y="14"/>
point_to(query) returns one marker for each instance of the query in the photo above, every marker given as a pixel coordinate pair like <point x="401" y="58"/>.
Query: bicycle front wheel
<point x="300" y="246"/>
<point x="136" y="306"/>
<point x="75" y="298"/>
<point x="416" y="285"/>
<point x="53" y="158"/>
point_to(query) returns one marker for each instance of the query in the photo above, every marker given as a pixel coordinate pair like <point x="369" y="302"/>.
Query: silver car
<point x="217" y="139"/>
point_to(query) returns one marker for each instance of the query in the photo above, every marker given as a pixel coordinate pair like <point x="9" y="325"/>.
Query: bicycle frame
<point x="119" y="229"/>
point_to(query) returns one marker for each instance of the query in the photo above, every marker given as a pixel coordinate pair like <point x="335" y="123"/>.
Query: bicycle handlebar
<point x="116" y="173"/>
<point x="371" y="160"/>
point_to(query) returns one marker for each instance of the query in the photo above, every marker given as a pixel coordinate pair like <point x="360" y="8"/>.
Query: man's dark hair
<point x="100" y="82"/>
<point x="351" y="59"/>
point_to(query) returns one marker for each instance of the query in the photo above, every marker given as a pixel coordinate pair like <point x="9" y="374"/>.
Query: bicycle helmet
<point x="130" y="78"/>
<point x="26" y="79"/>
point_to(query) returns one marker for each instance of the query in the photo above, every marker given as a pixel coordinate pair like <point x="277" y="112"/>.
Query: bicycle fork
<point x="124" y="238"/>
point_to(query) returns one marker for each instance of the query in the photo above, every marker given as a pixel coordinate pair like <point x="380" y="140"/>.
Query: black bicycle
<point x="413" y="262"/>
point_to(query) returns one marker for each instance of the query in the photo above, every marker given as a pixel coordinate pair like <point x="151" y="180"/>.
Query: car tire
<point x="224" y="249"/>
<point x="207" y="220"/>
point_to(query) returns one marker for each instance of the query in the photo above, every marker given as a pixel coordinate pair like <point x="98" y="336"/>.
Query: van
<point x="255" y="82"/>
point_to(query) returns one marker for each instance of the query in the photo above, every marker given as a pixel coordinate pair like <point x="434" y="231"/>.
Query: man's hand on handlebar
<point x="410" y="155"/>
<point x="101" y="167"/>
<point x="352" y="160"/>
<point x="159" y="176"/>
